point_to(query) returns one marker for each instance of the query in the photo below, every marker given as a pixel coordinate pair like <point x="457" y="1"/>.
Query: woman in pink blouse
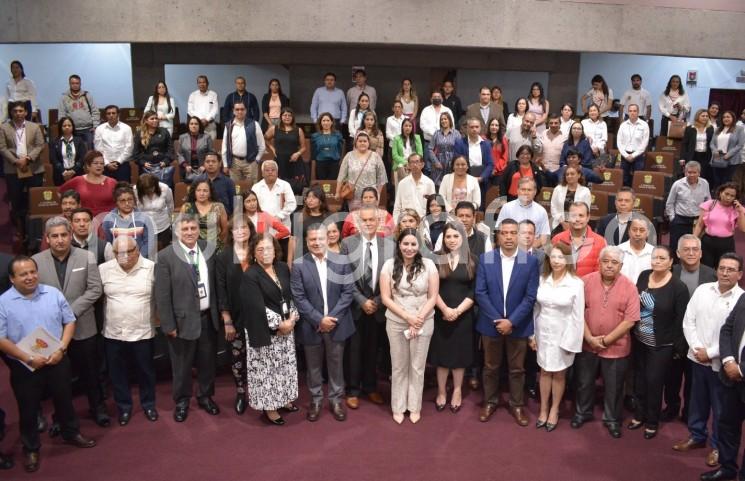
<point x="717" y="222"/>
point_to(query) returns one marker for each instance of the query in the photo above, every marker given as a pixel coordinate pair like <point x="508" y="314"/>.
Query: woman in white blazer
<point x="559" y="316"/>
<point x="570" y="190"/>
<point x="460" y="185"/>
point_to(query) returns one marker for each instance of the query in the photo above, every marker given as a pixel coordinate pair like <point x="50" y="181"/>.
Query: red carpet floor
<point x="368" y="446"/>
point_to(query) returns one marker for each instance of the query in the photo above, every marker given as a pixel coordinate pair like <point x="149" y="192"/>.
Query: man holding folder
<point x="24" y="308"/>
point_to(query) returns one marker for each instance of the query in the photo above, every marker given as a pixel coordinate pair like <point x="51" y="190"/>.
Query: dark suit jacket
<point x="308" y="296"/>
<point x="4" y="276"/>
<point x="82" y="286"/>
<point x="603" y="225"/>
<point x="176" y="294"/>
<point x="729" y="343"/>
<point x="495" y="111"/>
<point x="58" y="162"/>
<point x="461" y="148"/>
<point x="183" y="148"/>
<point x="705" y="273"/>
<point x="354" y="248"/>
<point x="688" y="146"/>
<point x="521" y="293"/>
<point x="228" y="276"/>
<point x="283" y="102"/>
<point x="260" y="292"/>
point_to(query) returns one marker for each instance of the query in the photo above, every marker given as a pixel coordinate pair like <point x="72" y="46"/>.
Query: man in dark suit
<point x="732" y="353"/>
<point x="506" y="287"/>
<point x="367" y="252"/>
<point x="323" y="291"/>
<point x="185" y="296"/>
<point x="82" y="237"/>
<point x="614" y="227"/>
<point x="525" y="241"/>
<point x="4" y="276"/>
<point x="485" y="109"/>
<point x="693" y="274"/>
<point x="75" y="273"/>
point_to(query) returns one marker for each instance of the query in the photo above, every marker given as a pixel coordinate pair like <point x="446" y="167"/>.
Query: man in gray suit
<point x="323" y="292"/>
<point x="366" y="253"/>
<point x="185" y="296"/>
<point x="485" y="110"/>
<point x="75" y="272"/>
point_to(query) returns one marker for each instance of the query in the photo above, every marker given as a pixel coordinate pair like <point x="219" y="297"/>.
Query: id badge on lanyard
<point x="202" y="290"/>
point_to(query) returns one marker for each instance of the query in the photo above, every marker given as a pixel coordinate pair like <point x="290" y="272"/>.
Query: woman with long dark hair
<point x="600" y="94"/>
<point x="442" y="149"/>
<point x="403" y="146"/>
<point x="577" y="140"/>
<point x="539" y="105"/>
<point x="726" y="146"/>
<point x="500" y="151"/>
<point x="155" y="199"/>
<point x="286" y="141"/>
<point x="67" y="152"/>
<point x="716" y="225"/>
<point x="163" y="105"/>
<point x="272" y="104"/>
<point x="326" y="147"/>
<point x="153" y="150"/>
<point x="213" y="219"/>
<point x="673" y="103"/>
<point x="357" y="115"/>
<point x="696" y="144"/>
<point x="192" y="148"/>
<point x="452" y="340"/>
<point x="408" y="287"/>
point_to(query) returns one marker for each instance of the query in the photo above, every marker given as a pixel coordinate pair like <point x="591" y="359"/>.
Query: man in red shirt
<point x="585" y="244"/>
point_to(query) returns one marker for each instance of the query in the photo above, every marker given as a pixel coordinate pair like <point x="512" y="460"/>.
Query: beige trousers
<point x="408" y="359"/>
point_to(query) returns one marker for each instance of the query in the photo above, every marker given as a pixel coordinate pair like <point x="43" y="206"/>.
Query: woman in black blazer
<point x="231" y="263"/>
<point x="658" y="337"/>
<point x="67" y="152"/>
<point x="692" y="148"/>
<point x="269" y="316"/>
<point x="273" y="95"/>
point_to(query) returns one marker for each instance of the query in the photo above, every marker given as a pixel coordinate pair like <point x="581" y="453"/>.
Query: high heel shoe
<point x="650" y="433"/>
<point x="399" y="418"/>
<point x="440" y="407"/>
<point x="240" y="403"/>
<point x="277" y="422"/>
<point x="290" y="408"/>
<point x="454" y="409"/>
<point x="540" y="424"/>
<point x="414" y="417"/>
<point x="634" y="424"/>
<point x="551" y="426"/>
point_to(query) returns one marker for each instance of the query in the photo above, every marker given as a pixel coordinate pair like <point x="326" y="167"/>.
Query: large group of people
<point x="324" y="277"/>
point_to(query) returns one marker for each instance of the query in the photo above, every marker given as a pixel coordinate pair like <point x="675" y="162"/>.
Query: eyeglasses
<point x="130" y="251"/>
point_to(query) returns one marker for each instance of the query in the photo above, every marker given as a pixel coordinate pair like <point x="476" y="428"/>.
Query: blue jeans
<point x="706" y="395"/>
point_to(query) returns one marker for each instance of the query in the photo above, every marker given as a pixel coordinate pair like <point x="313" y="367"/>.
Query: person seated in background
<point x="78" y="105"/>
<point x="114" y="140"/>
<point x="243" y="96"/>
<point x="576" y="140"/>
<point x="165" y="106"/>
<point x="574" y="159"/>
<point x="69" y="201"/>
<point x="153" y="149"/>
<point x="66" y="152"/>
<point x="191" y="149"/>
<point x="523" y="167"/>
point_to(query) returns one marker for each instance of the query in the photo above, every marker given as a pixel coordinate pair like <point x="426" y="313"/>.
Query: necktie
<point x="194" y="264"/>
<point x="368" y="275"/>
<point x="68" y="154"/>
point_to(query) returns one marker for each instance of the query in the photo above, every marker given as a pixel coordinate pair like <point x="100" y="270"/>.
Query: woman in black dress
<point x="452" y="341"/>
<point x="287" y="142"/>
<point x="232" y="262"/>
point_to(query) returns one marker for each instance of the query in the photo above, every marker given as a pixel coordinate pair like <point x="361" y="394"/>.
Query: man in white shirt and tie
<point x="632" y="141"/>
<point x="203" y="105"/>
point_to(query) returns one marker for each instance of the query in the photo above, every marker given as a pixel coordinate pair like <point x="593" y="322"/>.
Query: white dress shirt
<point x="508" y="263"/>
<point x="130" y="306"/>
<point x="322" y="266"/>
<point x="633" y="263"/>
<point x="640" y="97"/>
<point x="279" y="200"/>
<point x="633" y="137"/>
<point x="374" y="251"/>
<point x="474" y="152"/>
<point x="203" y="105"/>
<point x="596" y="133"/>
<point x="705" y="315"/>
<point x="519" y="212"/>
<point x="238" y="140"/>
<point x="393" y="127"/>
<point x="21" y="91"/>
<point x="115" y="143"/>
<point x="204" y="302"/>
<point x="410" y="194"/>
<point x="429" y="120"/>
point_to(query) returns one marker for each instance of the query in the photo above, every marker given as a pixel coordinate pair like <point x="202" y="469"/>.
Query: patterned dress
<point x="209" y="223"/>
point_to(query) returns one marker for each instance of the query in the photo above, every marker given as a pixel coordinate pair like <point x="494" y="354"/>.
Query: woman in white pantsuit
<point x="409" y="285"/>
<point x="559" y="316"/>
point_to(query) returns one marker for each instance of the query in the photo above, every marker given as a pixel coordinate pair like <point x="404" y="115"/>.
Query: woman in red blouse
<point x="95" y="189"/>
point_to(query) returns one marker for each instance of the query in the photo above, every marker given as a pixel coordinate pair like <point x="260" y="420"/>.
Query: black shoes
<point x="718" y="475"/>
<point x="181" y="413"/>
<point x="278" y="421"/>
<point x="614" y="429"/>
<point x="209" y="405"/>
<point x="6" y="462"/>
<point x="577" y="421"/>
<point x="151" y="414"/>
<point x="100" y="416"/>
<point x="240" y="403"/>
<point x="124" y="417"/>
<point x="290" y="408"/>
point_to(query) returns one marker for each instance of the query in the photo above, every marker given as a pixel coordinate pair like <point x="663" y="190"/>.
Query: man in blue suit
<point x="323" y="292"/>
<point x="506" y="287"/>
<point x="478" y="152"/>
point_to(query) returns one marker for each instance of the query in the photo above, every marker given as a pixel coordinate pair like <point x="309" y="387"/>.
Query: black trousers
<point x="117" y="354"/>
<point x="30" y="387"/>
<point x="651" y="365"/>
<point x="714" y="247"/>
<point x="327" y="170"/>
<point x="730" y="429"/>
<point x="679" y="372"/>
<point x="184" y="353"/>
<point x="360" y="356"/>
<point x="18" y="190"/>
<point x="123" y="173"/>
<point x="586" y="365"/>
<point x="84" y="357"/>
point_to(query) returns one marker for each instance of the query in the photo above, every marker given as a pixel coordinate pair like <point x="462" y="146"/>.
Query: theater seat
<point x="660" y="161"/>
